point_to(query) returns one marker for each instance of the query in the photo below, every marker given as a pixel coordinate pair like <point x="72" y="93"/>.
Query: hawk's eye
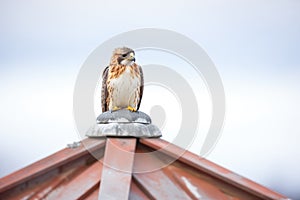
<point x="124" y="55"/>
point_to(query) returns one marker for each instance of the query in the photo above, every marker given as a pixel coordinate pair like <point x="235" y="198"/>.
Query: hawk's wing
<point x="104" y="91"/>
<point x="141" y="87"/>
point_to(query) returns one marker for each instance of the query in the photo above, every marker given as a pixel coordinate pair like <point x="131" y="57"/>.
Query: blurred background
<point x="254" y="44"/>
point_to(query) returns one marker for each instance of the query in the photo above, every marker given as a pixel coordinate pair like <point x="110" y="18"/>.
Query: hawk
<point x="123" y="82"/>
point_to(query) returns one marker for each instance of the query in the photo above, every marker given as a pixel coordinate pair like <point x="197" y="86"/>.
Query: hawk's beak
<point x="131" y="57"/>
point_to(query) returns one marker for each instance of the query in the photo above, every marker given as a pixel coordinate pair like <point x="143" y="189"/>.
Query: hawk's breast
<point x="124" y="88"/>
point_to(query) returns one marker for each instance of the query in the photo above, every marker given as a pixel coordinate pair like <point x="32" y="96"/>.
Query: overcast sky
<point x="254" y="44"/>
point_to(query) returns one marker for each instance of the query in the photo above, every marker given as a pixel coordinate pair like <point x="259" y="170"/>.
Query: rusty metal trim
<point x="212" y="169"/>
<point x="51" y="162"/>
<point x="117" y="168"/>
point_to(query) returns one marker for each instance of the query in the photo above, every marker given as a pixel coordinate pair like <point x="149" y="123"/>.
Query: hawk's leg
<point x="131" y="109"/>
<point x="115" y="109"/>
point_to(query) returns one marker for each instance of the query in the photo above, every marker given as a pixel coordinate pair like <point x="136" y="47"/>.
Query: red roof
<point x="77" y="174"/>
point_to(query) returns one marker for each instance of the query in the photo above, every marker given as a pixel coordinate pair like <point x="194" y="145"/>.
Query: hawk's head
<point x="123" y="56"/>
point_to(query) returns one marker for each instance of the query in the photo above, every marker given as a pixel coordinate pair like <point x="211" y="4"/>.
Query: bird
<point x="122" y="82"/>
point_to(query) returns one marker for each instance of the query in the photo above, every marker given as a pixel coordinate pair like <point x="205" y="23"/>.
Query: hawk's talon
<point x="131" y="109"/>
<point x="115" y="109"/>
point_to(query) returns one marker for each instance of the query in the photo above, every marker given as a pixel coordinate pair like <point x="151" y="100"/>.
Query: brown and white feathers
<point x="123" y="82"/>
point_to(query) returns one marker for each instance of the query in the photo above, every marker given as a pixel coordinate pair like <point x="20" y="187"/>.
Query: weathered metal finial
<point x="123" y="123"/>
